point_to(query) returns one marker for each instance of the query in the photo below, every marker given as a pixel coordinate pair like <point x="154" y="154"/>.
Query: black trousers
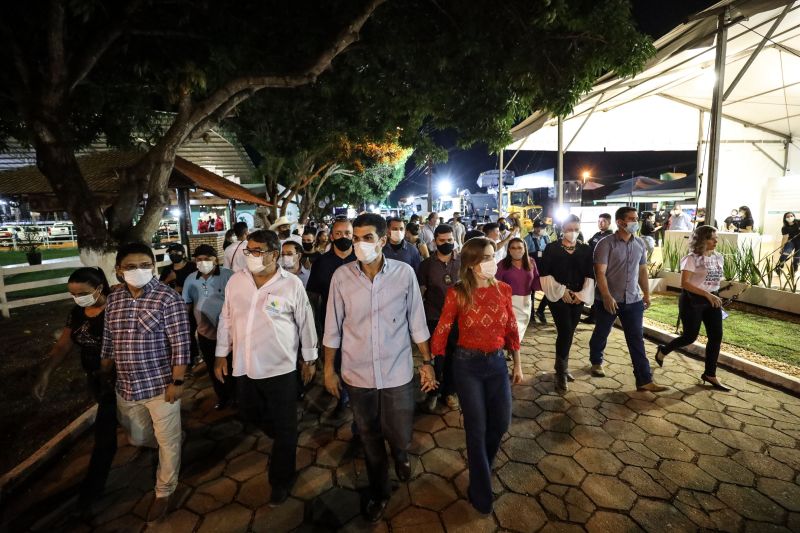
<point x="105" y="440"/>
<point x="208" y="347"/>
<point x="383" y="414"/>
<point x="542" y="304"/>
<point x="443" y="366"/>
<point x="695" y="310"/>
<point x="566" y="317"/>
<point x="270" y="403"/>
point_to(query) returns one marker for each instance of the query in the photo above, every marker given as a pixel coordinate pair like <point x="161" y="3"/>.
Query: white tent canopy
<point x="666" y="107"/>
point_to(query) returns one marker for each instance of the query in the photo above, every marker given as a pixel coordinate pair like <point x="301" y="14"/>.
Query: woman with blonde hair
<point x="482" y="308"/>
<point x="699" y="303"/>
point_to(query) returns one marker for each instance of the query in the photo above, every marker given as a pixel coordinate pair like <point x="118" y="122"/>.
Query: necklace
<point x="568" y="248"/>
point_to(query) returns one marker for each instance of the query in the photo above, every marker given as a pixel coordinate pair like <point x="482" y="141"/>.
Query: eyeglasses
<point x="131" y="268"/>
<point x="257" y="252"/>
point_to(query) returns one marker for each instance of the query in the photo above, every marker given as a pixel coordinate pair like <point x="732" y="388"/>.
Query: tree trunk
<point x="55" y="158"/>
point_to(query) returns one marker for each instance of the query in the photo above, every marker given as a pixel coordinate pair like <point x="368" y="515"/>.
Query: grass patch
<point x="16" y="257"/>
<point x="767" y="333"/>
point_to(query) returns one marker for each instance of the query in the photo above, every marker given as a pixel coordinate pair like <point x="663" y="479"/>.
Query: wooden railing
<point x="47" y="265"/>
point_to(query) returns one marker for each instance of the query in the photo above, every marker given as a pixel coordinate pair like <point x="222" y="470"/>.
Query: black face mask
<point x="503" y="227"/>
<point x="343" y="244"/>
<point x="284" y="234"/>
<point x="176" y="258"/>
<point x="308" y="246"/>
<point x="446" y="248"/>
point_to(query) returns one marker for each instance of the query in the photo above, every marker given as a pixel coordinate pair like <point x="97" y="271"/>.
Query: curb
<point x="749" y="369"/>
<point x="51" y="448"/>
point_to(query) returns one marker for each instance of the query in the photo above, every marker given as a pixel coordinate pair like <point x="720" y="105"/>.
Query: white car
<point x="60" y="229"/>
<point x="8" y="233"/>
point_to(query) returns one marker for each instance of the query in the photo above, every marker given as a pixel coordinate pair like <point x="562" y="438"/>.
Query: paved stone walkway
<point x="601" y="458"/>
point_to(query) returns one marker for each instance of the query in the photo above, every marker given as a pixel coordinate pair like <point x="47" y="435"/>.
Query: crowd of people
<point x="374" y="291"/>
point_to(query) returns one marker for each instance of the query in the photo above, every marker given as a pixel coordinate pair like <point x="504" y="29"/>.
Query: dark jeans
<point x="788" y="248"/>
<point x="208" y="347"/>
<point x="695" y="310"/>
<point x="443" y="365"/>
<point x="542" y="304"/>
<point x="270" y="403"/>
<point x="631" y="317"/>
<point x="105" y="441"/>
<point x="484" y="392"/>
<point x="566" y="317"/>
<point x="383" y="414"/>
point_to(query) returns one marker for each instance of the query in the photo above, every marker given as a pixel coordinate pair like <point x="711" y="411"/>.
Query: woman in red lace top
<point x="482" y="308"/>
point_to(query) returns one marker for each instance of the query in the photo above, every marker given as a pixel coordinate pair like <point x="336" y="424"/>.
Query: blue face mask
<point x="631" y="227"/>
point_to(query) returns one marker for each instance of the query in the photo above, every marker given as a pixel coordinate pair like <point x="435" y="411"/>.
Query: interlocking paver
<point x="688" y="459"/>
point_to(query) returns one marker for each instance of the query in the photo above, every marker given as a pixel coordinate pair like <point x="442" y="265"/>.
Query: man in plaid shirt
<point x="146" y="335"/>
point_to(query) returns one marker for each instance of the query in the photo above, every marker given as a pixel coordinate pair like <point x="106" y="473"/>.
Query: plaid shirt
<point x="146" y="336"/>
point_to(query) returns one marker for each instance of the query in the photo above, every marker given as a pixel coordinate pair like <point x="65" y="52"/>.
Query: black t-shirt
<point x="734" y="221"/>
<point x="87" y="332"/>
<point x="793" y="231"/>
<point x="568" y="269"/>
<point x="747" y="222"/>
<point x="648" y="228"/>
<point x="597" y="236"/>
<point x="180" y="275"/>
<point x="434" y="275"/>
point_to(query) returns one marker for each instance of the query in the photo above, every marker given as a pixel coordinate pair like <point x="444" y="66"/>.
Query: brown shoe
<point x="597" y="371"/>
<point x="158" y="509"/>
<point x="652" y="387"/>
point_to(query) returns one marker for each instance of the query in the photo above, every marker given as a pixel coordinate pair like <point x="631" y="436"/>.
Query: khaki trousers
<point x="155" y="423"/>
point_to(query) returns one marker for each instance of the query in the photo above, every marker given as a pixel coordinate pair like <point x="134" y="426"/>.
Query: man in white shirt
<point x="374" y="311"/>
<point x="492" y="232"/>
<point x="458" y="230"/>
<point x="233" y="258"/>
<point x="267" y="320"/>
<point x="426" y="231"/>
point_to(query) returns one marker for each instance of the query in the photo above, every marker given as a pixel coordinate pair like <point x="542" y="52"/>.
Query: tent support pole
<point x="501" y="173"/>
<point x="716" y="116"/>
<point x="785" y="158"/>
<point x="185" y="220"/>
<point x="585" y="120"/>
<point x="699" y="168"/>
<point x="758" y="49"/>
<point x="560" y="163"/>
<point x="765" y="154"/>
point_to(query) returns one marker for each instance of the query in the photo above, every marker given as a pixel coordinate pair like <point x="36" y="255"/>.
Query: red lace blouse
<point x="488" y="325"/>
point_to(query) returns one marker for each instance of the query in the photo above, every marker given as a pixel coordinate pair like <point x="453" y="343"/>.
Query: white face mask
<point x="287" y="261"/>
<point x="486" y="270"/>
<point x="396" y="235"/>
<point x="631" y="227"/>
<point x="138" y="278"/>
<point x="571" y="236"/>
<point x="254" y="264"/>
<point x="234" y="239"/>
<point x="86" y="300"/>
<point x="205" y="267"/>
<point x="517" y="254"/>
<point x="366" y="252"/>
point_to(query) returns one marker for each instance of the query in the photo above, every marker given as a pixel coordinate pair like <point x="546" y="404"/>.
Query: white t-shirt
<point x="706" y="270"/>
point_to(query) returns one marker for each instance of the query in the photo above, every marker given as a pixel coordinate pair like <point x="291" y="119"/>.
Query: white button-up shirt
<point x="233" y="256"/>
<point x="371" y="322"/>
<point x="266" y="327"/>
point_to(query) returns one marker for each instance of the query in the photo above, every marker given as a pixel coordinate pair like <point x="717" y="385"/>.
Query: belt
<point x="468" y="353"/>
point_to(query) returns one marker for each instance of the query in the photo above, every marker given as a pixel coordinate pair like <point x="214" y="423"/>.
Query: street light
<point x="444" y="187"/>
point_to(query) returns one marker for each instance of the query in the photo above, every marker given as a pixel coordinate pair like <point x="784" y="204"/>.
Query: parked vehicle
<point x="8" y="234"/>
<point x="60" y="230"/>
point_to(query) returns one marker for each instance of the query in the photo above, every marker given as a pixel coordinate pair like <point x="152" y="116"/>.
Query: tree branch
<point x="17" y="56"/>
<point x="345" y="38"/>
<point x="55" y="42"/>
<point x="84" y="63"/>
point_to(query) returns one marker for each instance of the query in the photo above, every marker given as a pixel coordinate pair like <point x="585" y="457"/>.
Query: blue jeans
<point x="383" y="414"/>
<point x="484" y="391"/>
<point x="788" y="248"/>
<point x="631" y="317"/>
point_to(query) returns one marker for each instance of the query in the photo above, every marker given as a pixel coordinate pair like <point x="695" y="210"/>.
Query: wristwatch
<point x="428" y="362"/>
<point x="177" y="382"/>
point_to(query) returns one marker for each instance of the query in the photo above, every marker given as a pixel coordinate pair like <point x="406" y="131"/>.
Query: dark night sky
<point x="463" y="166"/>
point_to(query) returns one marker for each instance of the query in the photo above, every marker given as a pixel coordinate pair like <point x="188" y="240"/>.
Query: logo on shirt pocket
<point x="276" y="305"/>
<point x="149" y="322"/>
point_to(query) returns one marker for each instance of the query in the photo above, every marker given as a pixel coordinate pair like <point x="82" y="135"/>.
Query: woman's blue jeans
<point x="484" y="392"/>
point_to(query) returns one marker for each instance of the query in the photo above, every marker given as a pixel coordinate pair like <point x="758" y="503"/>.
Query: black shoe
<point x="715" y="383"/>
<point x="220" y="405"/>
<point x="561" y="383"/>
<point x="338" y="412"/>
<point x="403" y="470"/>
<point x="660" y="355"/>
<point x="375" y="509"/>
<point x="279" y="495"/>
<point x="540" y="317"/>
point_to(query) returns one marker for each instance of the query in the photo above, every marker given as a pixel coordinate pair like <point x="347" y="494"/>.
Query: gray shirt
<point x="371" y="321"/>
<point x="623" y="260"/>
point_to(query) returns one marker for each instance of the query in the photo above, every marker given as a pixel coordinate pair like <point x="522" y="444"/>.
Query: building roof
<point x="103" y="171"/>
